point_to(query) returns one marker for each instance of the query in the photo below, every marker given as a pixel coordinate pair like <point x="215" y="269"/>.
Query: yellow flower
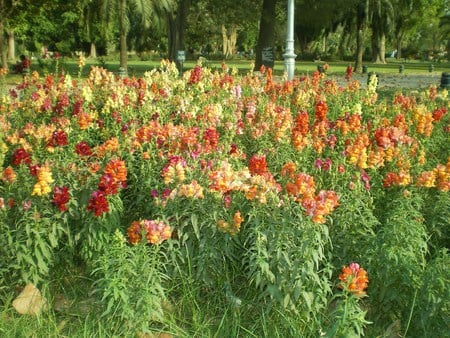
<point x="41" y="188"/>
<point x="45" y="175"/>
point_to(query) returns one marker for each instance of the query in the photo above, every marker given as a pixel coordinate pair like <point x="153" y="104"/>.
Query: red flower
<point x="348" y="72"/>
<point x="46" y="104"/>
<point x="98" y="203"/>
<point x="438" y="113"/>
<point x="21" y="156"/>
<point x="77" y="107"/>
<point x="59" y="138"/>
<point x="108" y="185"/>
<point x="211" y="138"/>
<point x="83" y="149"/>
<point x="196" y="75"/>
<point x="61" y="197"/>
<point x="34" y="169"/>
<point x="62" y="103"/>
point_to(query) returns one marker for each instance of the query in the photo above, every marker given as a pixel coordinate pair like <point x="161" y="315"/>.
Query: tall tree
<point x="266" y="37"/>
<point x="6" y="9"/>
<point x="315" y="20"/>
<point x="228" y="27"/>
<point x="176" y="28"/>
<point x="93" y="27"/>
<point x="444" y="24"/>
<point x="362" y="8"/>
<point x="381" y="22"/>
<point x="405" y="18"/>
<point x="149" y="11"/>
<point x="15" y="14"/>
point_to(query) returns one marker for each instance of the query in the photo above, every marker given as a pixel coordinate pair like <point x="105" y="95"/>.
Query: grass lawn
<point x="137" y="67"/>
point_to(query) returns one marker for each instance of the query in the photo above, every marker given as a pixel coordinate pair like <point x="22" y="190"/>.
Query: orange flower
<point x="427" y="179"/>
<point x="93" y="167"/>
<point x="237" y="218"/>
<point x="302" y="123"/>
<point x="354" y="279"/>
<point x="223" y="226"/>
<point x="292" y="189"/>
<point x="155" y="232"/>
<point x="193" y="190"/>
<point x="8" y="175"/>
<point x="110" y="146"/>
<point x="118" y="171"/>
<point x="258" y="165"/>
<point x="232" y="229"/>
<point x="84" y="120"/>
<point x="288" y="169"/>
<point x="321" y="110"/>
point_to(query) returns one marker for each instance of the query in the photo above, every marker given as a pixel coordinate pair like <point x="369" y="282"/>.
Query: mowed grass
<point x="137" y="68"/>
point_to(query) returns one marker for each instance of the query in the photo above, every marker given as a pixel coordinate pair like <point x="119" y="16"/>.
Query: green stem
<point x="410" y="314"/>
<point x="344" y="315"/>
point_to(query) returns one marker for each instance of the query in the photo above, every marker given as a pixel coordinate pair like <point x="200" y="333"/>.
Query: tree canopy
<point x="345" y="29"/>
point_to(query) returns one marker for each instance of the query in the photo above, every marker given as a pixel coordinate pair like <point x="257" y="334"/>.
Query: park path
<point x="400" y="81"/>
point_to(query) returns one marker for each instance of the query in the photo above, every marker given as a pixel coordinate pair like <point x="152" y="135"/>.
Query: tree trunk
<point x="172" y="37"/>
<point x="233" y="39"/>
<point x="176" y="29"/>
<point x="359" y="50"/>
<point x="224" y="42"/>
<point x="11" y="45"/>
<point x="229" y="41"/>
<point x="398" y="43"/>
<point x="375" y="48"/>
<point x="2" y="42"/>
<point x="93" y="52"/>
<point x="361" y="14"/>
<point x="344" y="44"/>
<point x="123" y="51"/>
<point x="379" y="47"/>
<point x="266" y="37"/>
<point x="448" y="47"/>
<point x="382" y="49"/>
<point x="123" y="37"/>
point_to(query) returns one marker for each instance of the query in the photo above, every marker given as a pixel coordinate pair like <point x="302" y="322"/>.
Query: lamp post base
<point x="289" y="65"/>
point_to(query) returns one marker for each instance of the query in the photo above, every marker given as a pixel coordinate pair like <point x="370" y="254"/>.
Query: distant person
<point x="23" y="65"/>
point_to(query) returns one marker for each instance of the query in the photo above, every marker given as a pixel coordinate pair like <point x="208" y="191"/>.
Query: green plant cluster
<point x="211" y="204"/>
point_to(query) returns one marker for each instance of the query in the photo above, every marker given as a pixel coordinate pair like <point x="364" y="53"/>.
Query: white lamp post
<point x="289" y="56"/>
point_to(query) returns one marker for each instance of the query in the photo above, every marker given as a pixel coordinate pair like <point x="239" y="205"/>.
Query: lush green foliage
<point x="213" y="204"/>
<point x="327" y="29"/>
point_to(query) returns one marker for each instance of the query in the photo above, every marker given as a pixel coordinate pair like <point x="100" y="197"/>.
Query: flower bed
<point x="267" y="187"/>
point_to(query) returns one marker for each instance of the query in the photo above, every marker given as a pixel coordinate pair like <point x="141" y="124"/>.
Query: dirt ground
<point x="400" y="81"/>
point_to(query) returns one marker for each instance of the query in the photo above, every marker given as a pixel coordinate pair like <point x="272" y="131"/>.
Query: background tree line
<point x="350" y="30"/>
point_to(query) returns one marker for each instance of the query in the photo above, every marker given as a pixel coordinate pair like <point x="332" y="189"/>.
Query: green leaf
<point x="43" y="268"/>
<point x="194" y="222"/>
<point x="286" y="300"/>
<point x="308" y="297"/>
